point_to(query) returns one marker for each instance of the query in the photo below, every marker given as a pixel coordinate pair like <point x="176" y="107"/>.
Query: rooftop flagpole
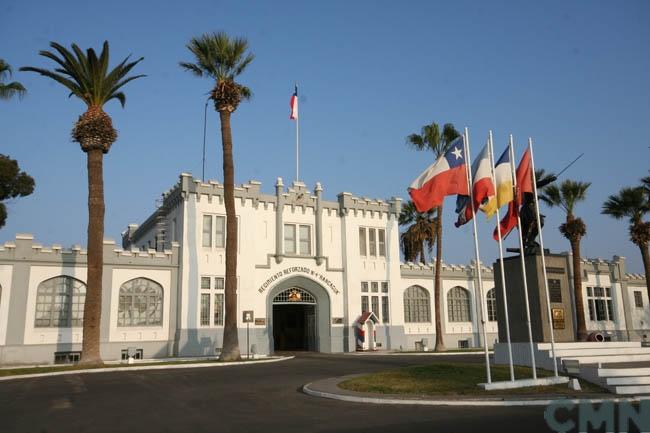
<point x="479" y="295"/>
<point x="205" y="122"/>
<point x="541" y="246"/>
<point x="523" y="261"/>
<point x="503" y="272"/>
<point x="297" y="136"/>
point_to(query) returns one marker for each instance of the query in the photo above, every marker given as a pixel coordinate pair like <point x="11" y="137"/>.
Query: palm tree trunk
<point x="422" y="259"/>
<point x="440" y="345"/>
<point x="646" y="265"/>
<point x="577" y="287"/>
<point x="90" y="353"/>
<point x="230" y="349"/>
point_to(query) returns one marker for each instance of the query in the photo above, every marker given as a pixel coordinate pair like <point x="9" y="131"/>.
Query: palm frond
<point x="218" y="56"/>
<point x="87" y="74"/>
<point x="566" y="196"/>
<point x="628" y="203"/>
<point x="191" y="67"/>
<point x="431" y="138"/>
<point x="5" y="70"/>
<point x="9" y="90"/>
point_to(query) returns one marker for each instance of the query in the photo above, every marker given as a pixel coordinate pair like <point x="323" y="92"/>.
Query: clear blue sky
<point x="573" y="75"/>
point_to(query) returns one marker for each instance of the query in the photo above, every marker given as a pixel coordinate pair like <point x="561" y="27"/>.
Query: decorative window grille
<point x="417" y="305"/>
<point x="220" y="231"/>
<point x="491" y="300"/>
<point x="140" y="303"/>
<point x="60" y="303"/>
<point x="638" y="299"/>
<point x="205" y="309"/>
<point x="289" y="239"/>
<point x="599" y="303"/>
<point x="294" y="295"/>
<point x="218" y="309"/>
<point x="381" y="234"/>
<point x="458" y="306"/>
<point x="362" y="241"/>
<point x="207" y="231"/>
<point x="372" y="242"/>
<point x="375" y="305"/>
<point x="385" y="318"/>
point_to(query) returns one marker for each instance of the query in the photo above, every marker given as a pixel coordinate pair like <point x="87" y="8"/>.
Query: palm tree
<point x="433" y="139"/>
<point x="223" y="59"/>
<point x="645" y="183"/>
<point x="566" y="196"/>
<point x="88" y="78"/>
<point x="9" y="90"/>
<point x="421" y="232"/>
<point x="634" y="203"/>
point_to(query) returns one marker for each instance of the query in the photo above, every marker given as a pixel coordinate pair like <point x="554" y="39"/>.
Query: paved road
<point x="254" y="398"/>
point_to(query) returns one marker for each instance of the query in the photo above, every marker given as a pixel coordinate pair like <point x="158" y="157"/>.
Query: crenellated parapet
<point x="24" y="249"/>
<point x="192" y="188"/>
<point x="614" y="267"/>
<point x="636" y="279"/>
<point x="373" y="208"/>
<point x="448" y="271"/>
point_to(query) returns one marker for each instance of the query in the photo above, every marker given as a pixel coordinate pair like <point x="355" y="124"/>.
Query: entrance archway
<point x="298" y="313"/>
<point x="294" y="320"/>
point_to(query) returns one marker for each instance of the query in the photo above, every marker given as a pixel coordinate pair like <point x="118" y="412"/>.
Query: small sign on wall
<point x="337" y="320"/>
<point x="247" y="316"/>
<point x="260" y="321"/>
<point x="558" y="318"/>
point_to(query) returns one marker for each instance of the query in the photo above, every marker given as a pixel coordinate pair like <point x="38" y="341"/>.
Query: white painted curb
<point x="473" y="353"/>
<point x="375" y="400"/>
<point x="146" y="367"/>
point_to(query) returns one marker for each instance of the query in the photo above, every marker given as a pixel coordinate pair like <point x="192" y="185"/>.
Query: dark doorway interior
<point x="294" y="327"/>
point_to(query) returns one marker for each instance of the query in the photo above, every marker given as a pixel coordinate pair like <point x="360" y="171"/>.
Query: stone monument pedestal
<point x="559" y="293"/>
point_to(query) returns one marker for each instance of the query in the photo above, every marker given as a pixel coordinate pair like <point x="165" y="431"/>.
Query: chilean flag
<point x="524" y="185"/>
<point x="482" y="190"/>
<point x="446" y="176"/>
<point x="294" y="105"/>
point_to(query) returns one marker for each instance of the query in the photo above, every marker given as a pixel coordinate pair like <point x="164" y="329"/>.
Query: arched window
<point x="60" y="303"/>
<point x="141" y="303"/>
<point x="458" y="305"/>
<point x="417" y="306"/>
<point x="491" y="300"/>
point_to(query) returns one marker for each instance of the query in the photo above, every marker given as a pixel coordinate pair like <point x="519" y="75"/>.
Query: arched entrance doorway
<point x="294" y="320"/>
<point x="299" y="318"/>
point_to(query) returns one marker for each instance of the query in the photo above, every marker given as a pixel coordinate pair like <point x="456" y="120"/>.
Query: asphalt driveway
<point x="253" y="398"/>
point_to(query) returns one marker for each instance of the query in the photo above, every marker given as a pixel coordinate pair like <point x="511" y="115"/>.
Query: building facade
<point x="312" y="274"/>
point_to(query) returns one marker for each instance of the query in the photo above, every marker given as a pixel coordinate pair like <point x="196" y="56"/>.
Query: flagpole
<point x="503" y="273"/>
<point x="478" y="259"/>
<point x="541" y="246"/>
<point x="297" y="139"/>
<point x="523" y="262"/>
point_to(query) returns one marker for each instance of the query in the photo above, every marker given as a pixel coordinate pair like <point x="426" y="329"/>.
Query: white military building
<point x="315" y="274"/>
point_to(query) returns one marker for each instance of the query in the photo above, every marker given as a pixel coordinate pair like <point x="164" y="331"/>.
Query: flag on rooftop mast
<point x="293" y="103"/>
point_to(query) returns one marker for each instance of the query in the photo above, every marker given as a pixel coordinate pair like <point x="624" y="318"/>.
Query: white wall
<point x="6" y="272"/>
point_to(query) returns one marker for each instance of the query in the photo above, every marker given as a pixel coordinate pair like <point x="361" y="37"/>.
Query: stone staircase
<point x="621" y="367"/>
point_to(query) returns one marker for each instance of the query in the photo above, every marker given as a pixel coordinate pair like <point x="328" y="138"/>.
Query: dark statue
<point x="529" y="229"/>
